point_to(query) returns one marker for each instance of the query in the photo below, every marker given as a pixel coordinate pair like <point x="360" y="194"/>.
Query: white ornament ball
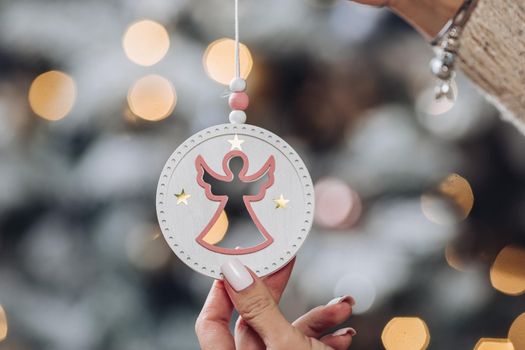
<point x="237" y="117"/>
<point x="238" y="85"/>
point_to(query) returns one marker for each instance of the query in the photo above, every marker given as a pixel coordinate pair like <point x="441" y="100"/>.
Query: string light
<point x="218" y="57"/>
<point x="146" y="249"/>
<point x="360" y="287"/>
<point x="218" y="230"/>
<point x="336" y="204"/>
<point x="406" y="333"/>
<point x="146" y="42"/>
<point x="3" y="324"/>
<point x="152" y="98"/>
<point x="52" y="95"/>
<point x="453" y="259"/>
<point x="494" y="344"/>
<point x="454" y="192"/>
<point x="517" y="332"/>
<point x="507" y="273"/>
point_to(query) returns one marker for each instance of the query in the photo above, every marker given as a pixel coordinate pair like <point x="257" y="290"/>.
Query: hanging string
<point x="238" y="99"/>
<point x="237" y="42"/>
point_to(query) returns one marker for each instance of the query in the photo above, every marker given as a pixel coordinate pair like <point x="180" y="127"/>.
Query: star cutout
<point x="236" y="143"/>
<point x="281" y="202"/>
<point x="182" y="197"/>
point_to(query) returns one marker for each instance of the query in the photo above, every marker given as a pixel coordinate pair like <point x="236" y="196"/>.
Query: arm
<point x="492" y="54"/>
<point x="492" y="49"/>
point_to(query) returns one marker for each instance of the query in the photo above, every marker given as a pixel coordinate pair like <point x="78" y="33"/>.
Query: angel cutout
<point x="264" y="178"/>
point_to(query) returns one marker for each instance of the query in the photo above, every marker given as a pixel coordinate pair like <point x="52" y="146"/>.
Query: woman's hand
<point x="427" y="16"/>
<point x="261" y="324"/>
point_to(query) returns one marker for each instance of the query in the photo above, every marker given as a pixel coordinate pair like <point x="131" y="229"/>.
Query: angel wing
<point x="252" y="186"/>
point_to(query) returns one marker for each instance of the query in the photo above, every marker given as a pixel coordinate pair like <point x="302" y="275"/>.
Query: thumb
<point x="257" y="307"/>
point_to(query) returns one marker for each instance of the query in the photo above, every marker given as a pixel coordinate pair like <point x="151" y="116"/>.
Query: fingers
<point x="317" y="321"/>
<point x="257" y="307"/>
<point x="245" y="337"/>
<point x="339" y="340"/>
<point x="212" y="326"/>
<point x="277" y="282"/>
<point x="377" y="3"/>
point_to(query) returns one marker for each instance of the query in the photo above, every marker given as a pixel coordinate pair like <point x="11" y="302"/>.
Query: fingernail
<point x="344" y="299"/>
<point x="236" y="274"/>
<point x="344" y="331"/>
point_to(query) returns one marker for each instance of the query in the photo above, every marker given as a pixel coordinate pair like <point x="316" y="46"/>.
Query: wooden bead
<point x="237" y="117"/>
<point x="238" y="85"/>
<point x="239" y="101"/>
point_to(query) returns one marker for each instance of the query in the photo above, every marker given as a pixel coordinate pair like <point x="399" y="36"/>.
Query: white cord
<point x="237" y="42"/>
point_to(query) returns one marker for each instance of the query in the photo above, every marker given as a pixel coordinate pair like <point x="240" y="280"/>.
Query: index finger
<point x="213" y="324"/>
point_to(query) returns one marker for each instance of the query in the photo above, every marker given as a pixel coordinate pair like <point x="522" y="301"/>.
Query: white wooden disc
<point x="184" y="218"/>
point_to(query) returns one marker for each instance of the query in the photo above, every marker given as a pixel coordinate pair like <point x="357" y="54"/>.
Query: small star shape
<point x="281" y="202"/>
<point x="236" y="143"/>
<point x="182" y="197"/>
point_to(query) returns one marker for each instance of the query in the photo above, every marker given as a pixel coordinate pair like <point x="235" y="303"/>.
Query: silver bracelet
<point x="446" y="45"/>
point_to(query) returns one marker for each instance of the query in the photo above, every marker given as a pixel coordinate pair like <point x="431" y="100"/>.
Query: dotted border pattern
<point x="227" y="129"/>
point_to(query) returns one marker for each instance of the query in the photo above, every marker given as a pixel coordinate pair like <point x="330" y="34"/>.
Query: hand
<point x="427" y="16"/>
<point x="261" y="324"/>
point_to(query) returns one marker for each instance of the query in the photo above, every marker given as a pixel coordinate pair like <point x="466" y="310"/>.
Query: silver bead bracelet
<point x="446" y="46"/>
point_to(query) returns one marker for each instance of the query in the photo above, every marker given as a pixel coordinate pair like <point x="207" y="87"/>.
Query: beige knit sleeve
<point x="492" y="54"/>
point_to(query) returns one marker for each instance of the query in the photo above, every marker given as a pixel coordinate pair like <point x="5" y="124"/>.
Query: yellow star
<point x="182" y="197"/>
<point x="236" y="143"/>
<point x="281" y="202"/>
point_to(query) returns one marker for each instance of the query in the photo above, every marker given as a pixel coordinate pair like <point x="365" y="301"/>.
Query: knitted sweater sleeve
<point x="492" y="54"/>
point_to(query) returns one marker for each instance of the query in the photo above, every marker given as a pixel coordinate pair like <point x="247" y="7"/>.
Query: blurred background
<point x="420" y="204"/>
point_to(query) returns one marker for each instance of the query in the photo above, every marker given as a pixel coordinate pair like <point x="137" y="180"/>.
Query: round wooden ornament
<point x="279" y="201"/>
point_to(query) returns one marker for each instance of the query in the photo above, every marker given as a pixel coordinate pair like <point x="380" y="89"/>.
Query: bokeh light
<point x="406" y="333"/>
<point x="428" y="104"/>
<point x="336" y="204"/>
<point x="146" y="249"/>
<point x="494" y="344"/>
<point x="455" y="193"/>
<point x="360" y="288"/>
<point x="3" y="324"/>
<point x="517" y="332"/>
<point x="507" y="273"/>
<point x="152" y="98"/>
<point x="219" y="60"/>
<point x="453" y="258"/>
<point x="146" y="42"/>
<point x="52" y="95"/>
<point x="218" y="230"/>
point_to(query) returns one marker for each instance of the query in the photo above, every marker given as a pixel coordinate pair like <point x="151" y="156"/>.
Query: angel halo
<point x="272" y="188"/>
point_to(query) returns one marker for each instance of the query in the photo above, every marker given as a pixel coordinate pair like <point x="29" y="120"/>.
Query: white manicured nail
<point x="344" y="299"/>
<point x="344" y="331"/>
<point x="236" y="274"/>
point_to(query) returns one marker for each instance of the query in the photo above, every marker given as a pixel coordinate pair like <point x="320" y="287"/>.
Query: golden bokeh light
<point x="52" y="95"/>
<point x="454" y="192"/>
<point x="219" y="60"/>
<point x="152" y="98"/>
<point x="494" y="344"/>
<point x="406" y="333"/>
<point x="3" y="324"/>
<point x="146" y="249"/>
<point x="453" y="258"/>
<point x="517" y="332"/>
<point x="146" y="42"/>
<point x="218" y="230"/>
<point x="507" y="273"/>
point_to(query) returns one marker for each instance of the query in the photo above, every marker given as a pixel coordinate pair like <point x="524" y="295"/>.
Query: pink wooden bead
<point x="239" y="101"/>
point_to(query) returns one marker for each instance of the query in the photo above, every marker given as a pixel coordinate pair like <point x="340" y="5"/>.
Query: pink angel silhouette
<point x="204" y="172"/>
